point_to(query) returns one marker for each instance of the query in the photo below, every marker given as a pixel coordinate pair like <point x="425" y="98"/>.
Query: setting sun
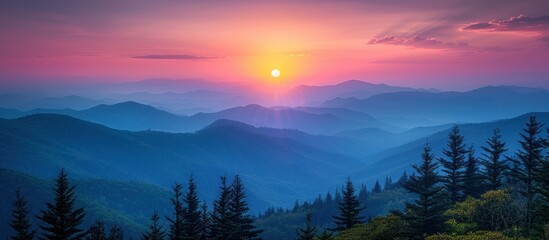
<point x="275" y="73"/>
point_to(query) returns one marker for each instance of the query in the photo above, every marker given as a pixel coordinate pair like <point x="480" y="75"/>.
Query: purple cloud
<point x="418" y="41"/>
<point x="174" y="57"/>
<point x="520" y="24"/>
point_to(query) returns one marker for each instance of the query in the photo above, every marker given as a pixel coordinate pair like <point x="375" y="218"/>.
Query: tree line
<point x="460" y="193"/>
<point x="190" y="219"/>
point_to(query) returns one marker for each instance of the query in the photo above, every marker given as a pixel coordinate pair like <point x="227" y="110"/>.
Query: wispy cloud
<point x="174" y="57"/>
<point x="418" y="42"/>
<point x="520" y="24"/>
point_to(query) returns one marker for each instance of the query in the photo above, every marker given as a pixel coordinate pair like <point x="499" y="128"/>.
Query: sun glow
<point x="275" y="73"/>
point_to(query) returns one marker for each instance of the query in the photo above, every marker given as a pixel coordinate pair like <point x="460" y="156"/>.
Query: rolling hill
<point x="479" y="105"/>
<point x="276" y="170"/>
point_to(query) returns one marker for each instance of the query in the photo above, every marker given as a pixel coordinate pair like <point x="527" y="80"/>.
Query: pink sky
<point x="430" y="43"/>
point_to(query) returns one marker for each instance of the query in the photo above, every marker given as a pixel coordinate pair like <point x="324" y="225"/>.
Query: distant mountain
<point x="135" y="116"/>
<point x="27" y="102"/>
<point x="393" y="161"/>
<point x="315" y="95"/>
<point x="341" y="145"/>
<point x="276" y="170"/>
<point x="310" y="120"/>
<point x="385" y="139"/>
<point x="483" y="104"/>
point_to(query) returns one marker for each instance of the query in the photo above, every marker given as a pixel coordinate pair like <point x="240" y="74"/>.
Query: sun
<point x="275" y="73"/>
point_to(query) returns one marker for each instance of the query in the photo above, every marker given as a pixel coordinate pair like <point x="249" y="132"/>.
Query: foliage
<point x="472" y="236"/>
<point x="349" y="208"/>
<point x="191" y="213"/>
<point x="155" y="231"/>
<point x="309" y="231"/>
<point x="493" y="161"/>
<point x="454" y="166"/>
<point x="61" y="220"/>
<point x="527" y="163"/>
<point x="425" y="215"/>
<point x="380" y="228"/>
<point x="20" y="221"/>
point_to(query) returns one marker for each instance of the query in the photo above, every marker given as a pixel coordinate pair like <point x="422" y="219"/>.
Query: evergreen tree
<point x="205" y="222"/>
<point x="402" y="180"/>
<point x="191" y="216"/>
<point x="243" y="223"/>
<point x="542" y="208"/>
<point x="309" y="232"/>
<point x="349" y="209"/>
<point x="97" y="231"/>
<point x="155" y="231"/>
<point x="425" y="215"/>
<point x="472" y="179"/>
<point x="61" y="220"/>
<point x="115" y="233"/>
<point x="528" y="160"/>
<point x="20" y="221"/>
<point x="377" y="187"/>
<point x="222" y="219"/>
<point x="325" y="235"/>
<point x="454" y="166"/>
<point x="494" y="163"/>
<point x="177" y="231"/>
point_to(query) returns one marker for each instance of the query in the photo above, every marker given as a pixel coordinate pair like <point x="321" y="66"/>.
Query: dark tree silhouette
<point x="527" y="161"/>
<point x="60" y="219"/>
<point x="20" y="220"/>
<point x="349" y="209"/>
<point x="426" y="214"/>
<point x="222" y="219"/>
<point x="191" y="216"/>
<point x="97" y="231"/>
<point x="176" y="230"/>
<point x="155" y="231"/>
<point x="242" y="222"/>
<point x="115" y="233"/>
<point x="542" y="209"/>
<point x="493" y="161"/>
<point x="309" y="231"/>
<point x="205" y="221"/>
<point x="454" y="166"/>
<point x="376" y="188"/>
<point x="472" y="179"/>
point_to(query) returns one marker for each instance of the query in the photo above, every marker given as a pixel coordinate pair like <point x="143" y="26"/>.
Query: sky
<point x="446" y="44"/>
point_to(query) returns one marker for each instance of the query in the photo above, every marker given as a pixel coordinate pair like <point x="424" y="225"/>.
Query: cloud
<point x="418" y="42"/>
<point x="174" y="57"/>
<point x="519" y="24"/>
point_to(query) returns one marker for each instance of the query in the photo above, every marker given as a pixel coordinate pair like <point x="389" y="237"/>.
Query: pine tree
<point x="493" y="161"/>
<point x="155" y="231"/>
<point x="454" y="166"/>
<point x="377" y="187"/>
<point x="97" y="231"/>
<point x="325" y="235"/>
<point x="472" y="179"/>
<point x="191" y="216"/>
<point x="309" y="231"/>
<point x="20" y="221"/>
<point x="349" y="209"/>
<point x="243" y="223"/>
<point x="402" y="180"/>
<point x="115" y="233"/>
<point x="222" y="219"/>
<point x="205" y="222"/>
<point x="176" y="230"/>
<point x="542" y="208"/>
<point x="61" y="220"/>
<point x="528" y="160"/>
<point x="425" y="215"/>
